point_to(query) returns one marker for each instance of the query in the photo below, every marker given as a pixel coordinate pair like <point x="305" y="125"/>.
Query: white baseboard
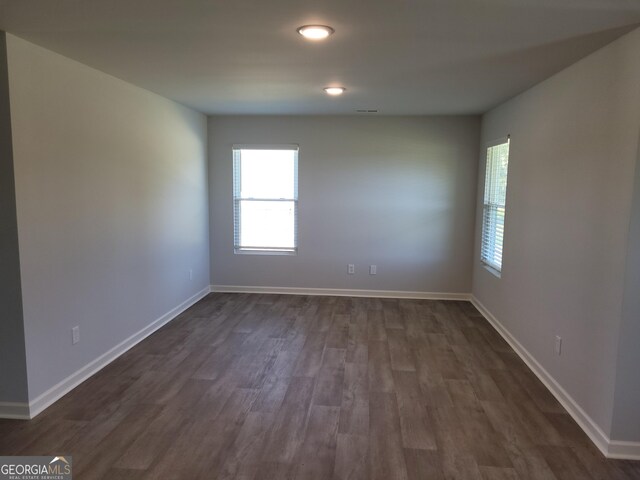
<point x="339" y="292"/>
<point x="623" y="450"/>
<point x="14" y="410"/>
<point x="38" y="404"/>
<point x="609" y="448"/>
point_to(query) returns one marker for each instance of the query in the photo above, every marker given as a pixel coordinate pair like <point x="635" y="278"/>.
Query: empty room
<point x="341" y="240"/>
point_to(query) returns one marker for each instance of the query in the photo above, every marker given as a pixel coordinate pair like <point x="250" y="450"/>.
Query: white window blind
<point x="265" y="198"/>
<point x="495" y="193"/>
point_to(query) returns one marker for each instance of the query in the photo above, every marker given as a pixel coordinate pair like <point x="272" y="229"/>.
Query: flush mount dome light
<point x="334" y="90"/>
<point x="315" y="32"/>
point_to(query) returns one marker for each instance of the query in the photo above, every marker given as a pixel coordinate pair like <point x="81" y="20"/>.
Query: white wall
<point x="573" y="153"/>
<point x="626" y="413"/>
<point x="397" y="192"/>
<point x="111" y="204"/>
<point x="13" y="367"/>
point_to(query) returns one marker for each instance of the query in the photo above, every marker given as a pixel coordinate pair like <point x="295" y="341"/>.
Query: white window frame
<point x="492" y="239"/>
<point x="261" y="250"/>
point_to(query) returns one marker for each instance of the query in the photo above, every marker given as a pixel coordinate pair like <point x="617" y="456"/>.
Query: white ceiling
<point x="397" y="56"/>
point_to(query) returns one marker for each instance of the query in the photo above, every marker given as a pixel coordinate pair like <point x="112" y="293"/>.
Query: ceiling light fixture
<point x="315" y="32"/>
<point x="334" y="90"/>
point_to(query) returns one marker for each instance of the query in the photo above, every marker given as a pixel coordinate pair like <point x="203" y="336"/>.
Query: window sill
<point x="256" y="251"/>
<point x="492" y="271"/>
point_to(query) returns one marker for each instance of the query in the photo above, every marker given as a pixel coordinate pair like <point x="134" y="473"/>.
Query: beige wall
<point x="111" y="204"/>
<point x="397" y="192"/>
<point x="574" y="142"/>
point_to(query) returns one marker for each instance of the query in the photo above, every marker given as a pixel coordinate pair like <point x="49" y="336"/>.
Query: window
<point x="265" y="198"/>
<point x="495" y="192"/>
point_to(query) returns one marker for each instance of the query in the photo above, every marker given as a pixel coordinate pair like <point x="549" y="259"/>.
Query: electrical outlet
<point x="373" y="269"/>
<point x="558" y="345"/>
<point x="351" y="269"/>
<point x="75" y="335"/>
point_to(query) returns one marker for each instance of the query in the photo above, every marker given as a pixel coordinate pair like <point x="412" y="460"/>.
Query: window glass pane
<point x="495" y="193"/>
<point x="267" y="224"/>
<point x="496" y="178"/>
<point x="267" y="173"/>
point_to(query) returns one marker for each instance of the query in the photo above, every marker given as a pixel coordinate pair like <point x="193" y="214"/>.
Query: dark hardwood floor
<point x="292" y="387"/>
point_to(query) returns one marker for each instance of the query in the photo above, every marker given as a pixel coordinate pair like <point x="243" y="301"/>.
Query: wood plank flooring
<point x="259" y="387"/>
